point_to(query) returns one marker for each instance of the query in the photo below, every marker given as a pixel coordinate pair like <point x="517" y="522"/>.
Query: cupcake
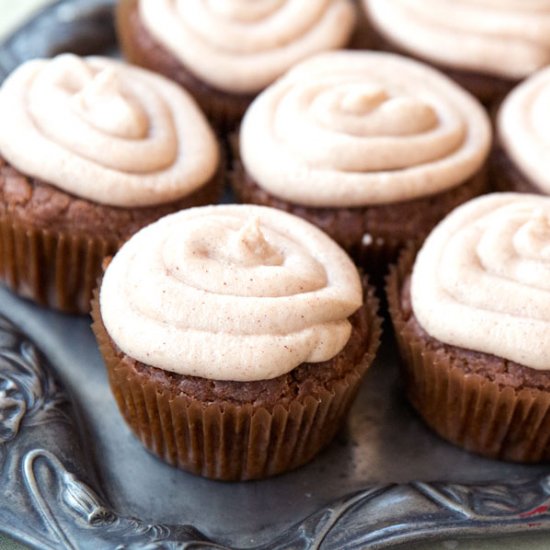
<point x="224" y="53"/>
<point x="90" y="151"/>
<point x="372" y="147"/>
<point x="235" y="338"/>
<point x="487" y="46"/>
<point x="472" y="318"/>
<point x="521" y="158"/>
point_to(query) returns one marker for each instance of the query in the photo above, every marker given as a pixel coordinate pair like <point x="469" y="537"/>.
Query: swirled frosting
<point x="347" y="129"/>
<point x="524" y="128"/>
<point x="105" y="131"/>
<point x="482" y="279"/>
<point x="230" y="293"/>
<point x="241" y="46"/>
<point x="507" y="38"/>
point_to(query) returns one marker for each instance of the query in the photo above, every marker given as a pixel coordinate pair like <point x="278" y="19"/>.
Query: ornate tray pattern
<point x="51" y="493"/>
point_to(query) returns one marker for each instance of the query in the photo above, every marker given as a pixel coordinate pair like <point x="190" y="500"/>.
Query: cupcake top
<point x="482" y="279"/>
<point x="241" y="46"/>
<point x="105" y="131"/>
<point x="524" y="128"/>
<point x="348" y="129"/>
<point x="230" y="292"/>
<point x="505" y="38"/>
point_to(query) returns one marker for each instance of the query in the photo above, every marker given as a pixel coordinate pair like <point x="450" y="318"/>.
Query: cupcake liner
<point x="53" y="268"/>
<point x="58" y="266"/>
<point x="377" y="254"/>
<point x="225" y="440"/>
<point x="468" y="410"/>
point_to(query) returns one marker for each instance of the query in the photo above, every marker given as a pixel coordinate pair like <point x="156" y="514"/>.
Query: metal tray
<point x="73" y="476"/>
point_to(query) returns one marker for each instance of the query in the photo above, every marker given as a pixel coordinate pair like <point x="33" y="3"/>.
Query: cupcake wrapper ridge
<point x="228" y="441"/>
<point x="52" y="268"/>
<point x="468" y="410"/>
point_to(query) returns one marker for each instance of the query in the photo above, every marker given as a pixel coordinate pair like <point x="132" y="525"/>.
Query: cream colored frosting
<point x="105" y="131"/>
<point x="482" y="279"/>
<point x="230" y="292"/>
<point x="507" y="38"/>
<point x="350" y="128"/>
<point x="241" y="46"/>
<point x="524" y="128"/>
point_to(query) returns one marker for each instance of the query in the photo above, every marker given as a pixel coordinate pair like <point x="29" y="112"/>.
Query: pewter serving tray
<point x="73" y="476"/>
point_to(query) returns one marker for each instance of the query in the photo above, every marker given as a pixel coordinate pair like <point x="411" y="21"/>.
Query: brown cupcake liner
<point x="467" y="409"/>
<point x="225" y="440"/>
<point x="57" y="266"/>
<point x="378" y="254"/>
<point x="53" y="268"/>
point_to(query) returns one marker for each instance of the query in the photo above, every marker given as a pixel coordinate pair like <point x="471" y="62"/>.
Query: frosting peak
<point x="67" y="71"/>
<point x="533" y="238"/>
<point x="230" y="293"/>
<point x="482" y="278"/>
<point x="361" y="100"/>
<point x="102" y="103"/>
<point x="105" y="131"/>
<point x="347" y="129"/>
<point x="252" y="248"/>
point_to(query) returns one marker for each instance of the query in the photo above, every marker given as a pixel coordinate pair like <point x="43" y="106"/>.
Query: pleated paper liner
<point x="59" y="267"/>
<point x="53" y="268"/>
<point x="224" y="110"/>
<point x="468" y="410"/>
<point x="225" y="440"/>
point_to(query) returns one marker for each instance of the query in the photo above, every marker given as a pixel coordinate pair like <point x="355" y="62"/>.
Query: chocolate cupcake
<point x="521" y="159"/>
<point x="90" y="151"/>
<point x="235" y="339"/>
<point x="486" y="46"/>
<point x="372" y="147"/>
<point x="472" y="318"/>
<point x="224" y="53"/>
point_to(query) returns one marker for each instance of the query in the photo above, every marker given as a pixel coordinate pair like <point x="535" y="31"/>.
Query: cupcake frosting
<point x="241" y="46"/>
<point x="524" y="128"/>
<point x="230" y="293"/>
<point x="482" y="279"/>
<point x="347" y="129"/>
<point x="105" y="131"/>
<point x="506" y="38"/>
